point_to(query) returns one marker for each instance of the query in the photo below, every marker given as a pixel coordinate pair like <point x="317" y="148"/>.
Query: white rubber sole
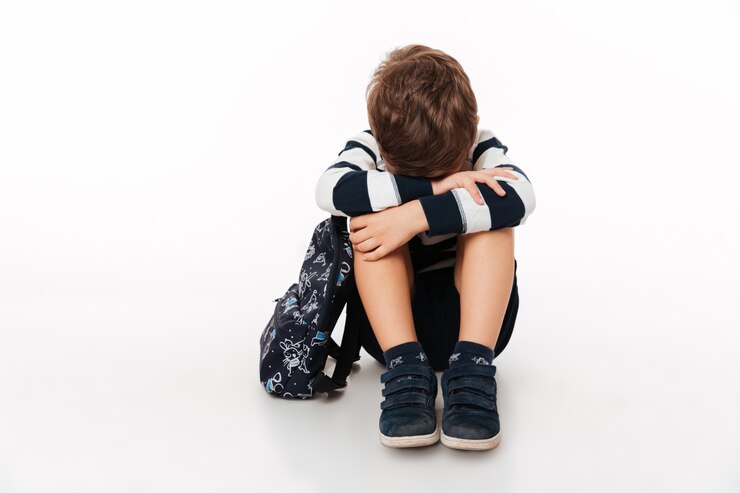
<point x="410" y="441"/>
<point x="470" y="444"/>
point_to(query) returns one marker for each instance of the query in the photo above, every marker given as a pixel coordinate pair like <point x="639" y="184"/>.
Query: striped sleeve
<point x="356" y="183"/>
<point x="457" y="212"/>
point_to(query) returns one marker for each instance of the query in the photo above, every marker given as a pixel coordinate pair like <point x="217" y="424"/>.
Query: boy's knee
<point x="494" y="233"/>
<point x="484" y="237"/>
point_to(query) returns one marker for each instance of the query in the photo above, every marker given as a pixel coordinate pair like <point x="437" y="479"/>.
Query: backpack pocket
<point x="290" y="351"/>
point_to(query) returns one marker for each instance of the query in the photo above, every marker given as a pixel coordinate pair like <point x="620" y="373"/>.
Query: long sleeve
<point x="457" y="212"/>
<point x="356" y="183"/>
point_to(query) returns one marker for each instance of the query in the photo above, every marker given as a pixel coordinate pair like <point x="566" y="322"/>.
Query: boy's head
<point x="422" y="112"/>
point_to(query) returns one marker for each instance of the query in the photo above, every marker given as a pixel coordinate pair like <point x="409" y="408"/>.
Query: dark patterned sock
<point x="405" y="353"/>
<point x="471" y="352"/>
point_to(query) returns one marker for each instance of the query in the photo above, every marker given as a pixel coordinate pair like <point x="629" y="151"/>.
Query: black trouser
<point x="436" y="311"/>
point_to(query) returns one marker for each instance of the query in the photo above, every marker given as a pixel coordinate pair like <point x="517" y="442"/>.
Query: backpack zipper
<point x="333" y="277"/>
<point x="275" y="310"/>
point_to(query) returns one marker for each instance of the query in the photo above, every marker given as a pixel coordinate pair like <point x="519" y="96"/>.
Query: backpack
<point x="295" y="344"/>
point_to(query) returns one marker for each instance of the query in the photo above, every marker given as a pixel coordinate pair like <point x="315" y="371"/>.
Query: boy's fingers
<point x="355" y="225"/>
<point x="361" y="234"/>
<point x="510" y="174"/>
<point x="367" y="245"/>
<point x="375" y="254"/>
<point x="500" y="171"/>
<point x="474" y="192"/>
<point x="493" y="182"/>
<point x="472" y="187"/>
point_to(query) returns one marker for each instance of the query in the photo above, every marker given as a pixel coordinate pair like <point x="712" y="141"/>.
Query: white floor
<point x="140" y="393"/>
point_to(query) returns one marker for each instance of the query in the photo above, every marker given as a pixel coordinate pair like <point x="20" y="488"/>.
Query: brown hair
<point x="422" y="112"/>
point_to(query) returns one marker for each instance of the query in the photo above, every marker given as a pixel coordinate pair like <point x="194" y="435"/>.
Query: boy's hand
<point x="468" y="179"/>
<point x="379" y="233"/>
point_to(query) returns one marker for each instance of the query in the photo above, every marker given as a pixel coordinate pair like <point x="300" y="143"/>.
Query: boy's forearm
<point x="359" y="192"/>
<point x="417" y="218"/>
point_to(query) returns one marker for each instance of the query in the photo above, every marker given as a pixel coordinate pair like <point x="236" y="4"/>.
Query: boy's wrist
<point x="418" y="218"/>
<point x="435" y="186"/>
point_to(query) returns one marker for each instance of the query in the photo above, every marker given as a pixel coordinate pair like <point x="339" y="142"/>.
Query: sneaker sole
<point x="410" y="441"/>
<point x="471" y="444"/>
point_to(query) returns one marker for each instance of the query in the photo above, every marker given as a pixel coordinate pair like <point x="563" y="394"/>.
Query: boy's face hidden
<point x="439" y="174"/>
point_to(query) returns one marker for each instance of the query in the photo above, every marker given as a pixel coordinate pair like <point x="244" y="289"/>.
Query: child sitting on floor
<point x="433" y="250"/>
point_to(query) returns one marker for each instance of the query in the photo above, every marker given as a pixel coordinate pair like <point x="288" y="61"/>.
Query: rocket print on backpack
<point x="296" y="342"/>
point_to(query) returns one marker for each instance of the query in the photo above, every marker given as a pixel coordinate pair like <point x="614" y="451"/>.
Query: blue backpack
<point x="295" y="344"/>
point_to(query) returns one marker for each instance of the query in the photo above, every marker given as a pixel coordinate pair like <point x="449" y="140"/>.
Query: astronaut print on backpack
<point x="293" y="347"/>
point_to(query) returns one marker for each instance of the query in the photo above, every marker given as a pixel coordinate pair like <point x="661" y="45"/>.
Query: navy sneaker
<point x="408" y="418"/>
<point x="470" y="416"/>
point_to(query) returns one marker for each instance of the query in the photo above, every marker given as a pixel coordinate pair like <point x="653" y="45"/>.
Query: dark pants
<point x="436" y="311"/>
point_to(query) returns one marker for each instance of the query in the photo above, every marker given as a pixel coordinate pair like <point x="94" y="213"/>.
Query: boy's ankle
<point x="405" y="353"/>
<point x="471" y="352"/>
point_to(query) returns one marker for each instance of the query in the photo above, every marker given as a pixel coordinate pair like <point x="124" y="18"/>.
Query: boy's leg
<point x="484" y="274"/>
<point x="484" y="278"/>
<point x="385" y="287"/>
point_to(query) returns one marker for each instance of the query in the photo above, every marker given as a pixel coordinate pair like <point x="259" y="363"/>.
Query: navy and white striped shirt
<point x="358" y="183"/>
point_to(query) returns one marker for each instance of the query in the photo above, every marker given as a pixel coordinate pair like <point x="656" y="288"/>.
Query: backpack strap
<point x="346" y="354"/>
<point x="333" y="348"/>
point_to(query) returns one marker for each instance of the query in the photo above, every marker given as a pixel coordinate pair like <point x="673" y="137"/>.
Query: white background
<point x="157" y="165"/>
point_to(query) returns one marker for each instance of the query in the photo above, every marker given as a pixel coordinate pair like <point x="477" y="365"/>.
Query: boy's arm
<point x="457" y="212"/>
<point x="353" y="185"/>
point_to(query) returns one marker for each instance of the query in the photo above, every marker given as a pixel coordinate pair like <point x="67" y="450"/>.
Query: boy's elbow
<point x="323" y="199"/>
<point x="529" y="201"/>
<point x="525" y="197"/>
<point x="322" y="202"/>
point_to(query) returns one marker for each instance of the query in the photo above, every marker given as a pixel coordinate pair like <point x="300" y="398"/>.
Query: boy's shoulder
<point x="364" y="137"/>
<point x="365" y="140"/>
<point x="485" y="134"/>
<point x="486" y="138"/>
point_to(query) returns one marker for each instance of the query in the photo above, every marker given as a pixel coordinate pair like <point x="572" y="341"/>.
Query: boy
<point x="433" y="250"/>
